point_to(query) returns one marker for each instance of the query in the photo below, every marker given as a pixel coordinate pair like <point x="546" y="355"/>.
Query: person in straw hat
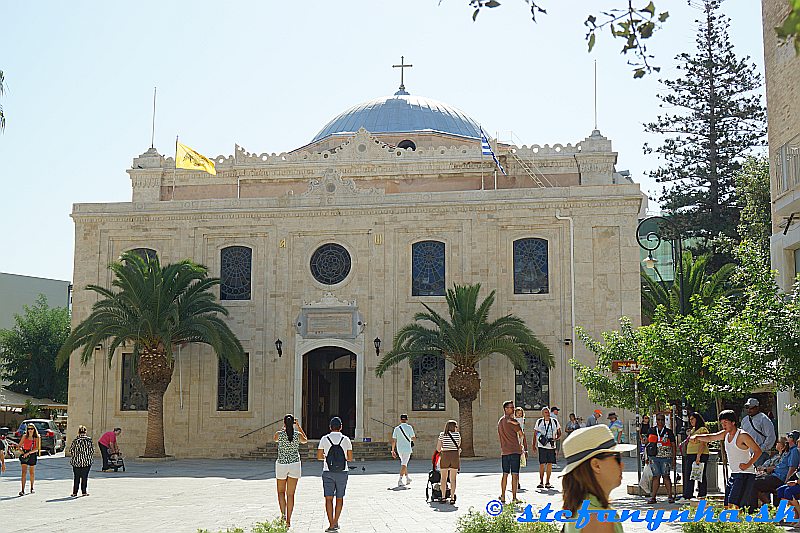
<point x="594" y="469"/>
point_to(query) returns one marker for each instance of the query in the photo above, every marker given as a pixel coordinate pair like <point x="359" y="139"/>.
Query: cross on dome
<point x="402" y="66"/>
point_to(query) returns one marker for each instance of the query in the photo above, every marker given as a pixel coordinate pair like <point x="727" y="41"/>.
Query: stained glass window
<point x="330" y="264"/>
<point x="232" y="386"/>
<point x="427" y="383"/>
<point x="235" y="272"/>
<point x="530" y="267"/>
<point x="427" y="269"/>
<point x="532" y="387"/>
<point x="145" y="253"/>
<point x="133" y="396"/>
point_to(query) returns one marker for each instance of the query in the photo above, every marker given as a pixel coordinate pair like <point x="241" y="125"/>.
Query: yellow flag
<point x="187" y="158"/>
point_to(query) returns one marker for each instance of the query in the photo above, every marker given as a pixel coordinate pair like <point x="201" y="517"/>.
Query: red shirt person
<point x="108" y="445"/>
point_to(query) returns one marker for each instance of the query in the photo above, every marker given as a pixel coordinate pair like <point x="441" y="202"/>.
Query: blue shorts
<point x="334" y="484"/>
<point x="660" y="466"/>
<point x="739" y="490"/>
<point x="510" y="463"/>
<point x="788" y="492"/>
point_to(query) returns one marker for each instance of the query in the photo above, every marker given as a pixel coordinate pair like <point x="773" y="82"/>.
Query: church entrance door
<point x="329" y="389"/>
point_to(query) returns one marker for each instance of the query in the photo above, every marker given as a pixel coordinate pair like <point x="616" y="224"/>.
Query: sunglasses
<point x="617" y="457"/>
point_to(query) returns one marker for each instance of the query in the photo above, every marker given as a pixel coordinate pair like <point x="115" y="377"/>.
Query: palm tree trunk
<point x="465" y="428"/>
<point x="464" y="385"/>
<point x="155" y="371"/>
<point x="154" y="443"/>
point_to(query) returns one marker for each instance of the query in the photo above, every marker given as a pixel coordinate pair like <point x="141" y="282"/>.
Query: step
<point x="368" y="451"/>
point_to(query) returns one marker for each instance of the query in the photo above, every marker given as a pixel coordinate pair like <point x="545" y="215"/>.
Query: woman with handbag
<point x="449" y="445"/>
<point x="30" y="445"/>
<point x="695" y="453"/>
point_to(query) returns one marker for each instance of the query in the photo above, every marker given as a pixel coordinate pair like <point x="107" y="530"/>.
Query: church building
<point x="326" y="251"/>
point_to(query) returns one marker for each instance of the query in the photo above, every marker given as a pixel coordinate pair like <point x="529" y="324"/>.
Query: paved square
<point x="184" y="495"/>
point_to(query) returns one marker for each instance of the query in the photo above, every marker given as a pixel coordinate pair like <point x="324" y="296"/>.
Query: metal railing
<point x="262" y="427"/>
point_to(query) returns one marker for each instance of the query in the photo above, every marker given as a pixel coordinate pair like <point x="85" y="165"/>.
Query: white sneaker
<point x="408" y="480"/>
<point x="400" y="482"/>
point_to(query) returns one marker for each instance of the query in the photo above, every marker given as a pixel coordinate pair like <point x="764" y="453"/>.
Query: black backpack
<point x="336" y="459"/>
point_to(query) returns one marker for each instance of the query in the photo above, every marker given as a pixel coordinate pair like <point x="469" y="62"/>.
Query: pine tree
<point x="719" y="118"/>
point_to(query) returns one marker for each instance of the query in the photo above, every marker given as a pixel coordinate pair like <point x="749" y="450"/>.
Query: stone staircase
<point x="362" y="451"/>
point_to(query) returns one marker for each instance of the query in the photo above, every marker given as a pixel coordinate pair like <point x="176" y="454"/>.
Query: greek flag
<point x="486" y="149"/>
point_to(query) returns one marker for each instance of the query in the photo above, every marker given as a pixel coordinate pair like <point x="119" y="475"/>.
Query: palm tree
<point x="464" y="340"/>
<point x="696" y="281"/>
<point x="155" y="309"/>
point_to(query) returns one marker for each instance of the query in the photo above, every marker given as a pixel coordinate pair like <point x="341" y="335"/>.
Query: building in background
<point x="17" y="291"/>
<point x="783" y="110"/>
<point x="340" y="242"/>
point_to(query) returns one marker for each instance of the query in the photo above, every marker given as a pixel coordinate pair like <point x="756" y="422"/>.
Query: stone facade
<point x="783" y="109"/>
<point x="375" y="200"/>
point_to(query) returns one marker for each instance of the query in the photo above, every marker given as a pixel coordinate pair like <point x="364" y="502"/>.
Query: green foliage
<point x="31" y="410"/>
<point x="155" y="309"/>
<point x="506" y="522"/>
<point x="679" y="357"/>
<point x="697" y="281"/>
<point x="634" y="26"/>
<point x="28" y="351"/>
<point x="790" y="28"/>
<point x="466" y="336"/>
<point x="742" y="526"/>
<point x="270" y="526"/>
<point x="718" y="119"/>
<point x="768" y="326"/>
<point x="753" y="190"/>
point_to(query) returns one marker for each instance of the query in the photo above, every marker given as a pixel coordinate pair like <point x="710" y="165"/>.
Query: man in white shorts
<point x="402" y="445"/>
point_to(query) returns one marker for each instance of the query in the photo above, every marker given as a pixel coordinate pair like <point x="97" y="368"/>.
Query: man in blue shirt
<point x="767" y="483"/>
<point x="403" y="438"/>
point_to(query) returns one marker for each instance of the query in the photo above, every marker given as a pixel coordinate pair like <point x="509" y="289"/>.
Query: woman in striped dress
<point x="82" y="452"/>
<point x="449" y="444"/>
<point x="287" y="466"/>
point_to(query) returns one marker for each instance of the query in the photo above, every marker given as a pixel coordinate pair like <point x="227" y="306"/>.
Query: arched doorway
<point x="329" y="389"/>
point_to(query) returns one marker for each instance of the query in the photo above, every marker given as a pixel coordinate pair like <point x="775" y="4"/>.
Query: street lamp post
<point x="651" y="242"/>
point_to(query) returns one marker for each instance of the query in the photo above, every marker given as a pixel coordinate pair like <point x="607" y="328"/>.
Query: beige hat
<point x="585" y="443"/>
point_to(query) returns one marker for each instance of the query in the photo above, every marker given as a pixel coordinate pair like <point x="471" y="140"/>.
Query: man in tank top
<point x="742" y="452"/>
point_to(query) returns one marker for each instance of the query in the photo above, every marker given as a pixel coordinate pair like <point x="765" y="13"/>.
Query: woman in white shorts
<point x="287" y="467"/>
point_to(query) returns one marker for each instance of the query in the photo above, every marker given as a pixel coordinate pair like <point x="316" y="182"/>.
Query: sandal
<point x="22" y="493"/>
<point x="651" y="500"/>
<point x="74" y="495"/>
<point x="548" y="486"/>
<point x="453" y="500"/>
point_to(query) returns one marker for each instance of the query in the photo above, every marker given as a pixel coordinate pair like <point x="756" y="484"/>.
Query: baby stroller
<point x="116" y="461"/>
<point x="433" y="491"/>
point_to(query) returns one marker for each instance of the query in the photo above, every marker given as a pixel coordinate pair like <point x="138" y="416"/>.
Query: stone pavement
<point x="184" y="495"/>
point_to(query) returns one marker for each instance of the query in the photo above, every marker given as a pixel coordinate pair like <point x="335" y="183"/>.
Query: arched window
<point x="427" y="268"/>
<point x="532" y="387"/>
<point x="427" y="383"/>
<point x="232" y="386"/>
<point x="145" y="253"/>
<point x="531" y="267"/>
<point x="133" y="397"/>
<point x="236" y="263"/>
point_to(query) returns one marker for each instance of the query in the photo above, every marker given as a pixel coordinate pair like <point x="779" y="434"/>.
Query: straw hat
<point x="585" y="443"/>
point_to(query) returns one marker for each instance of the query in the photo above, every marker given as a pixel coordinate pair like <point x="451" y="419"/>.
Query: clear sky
<point x="268" y="75"/>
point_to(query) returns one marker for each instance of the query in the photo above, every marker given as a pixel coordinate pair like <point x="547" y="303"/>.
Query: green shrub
<point x="481" y="522"/>
<point x="273" y="526"/>
<point x="734" y="527"/>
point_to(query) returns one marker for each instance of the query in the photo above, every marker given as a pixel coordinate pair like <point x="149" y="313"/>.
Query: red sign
<point x="625" y="367"/>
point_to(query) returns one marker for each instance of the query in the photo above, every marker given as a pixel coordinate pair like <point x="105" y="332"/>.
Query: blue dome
<point x="402" y="113"/>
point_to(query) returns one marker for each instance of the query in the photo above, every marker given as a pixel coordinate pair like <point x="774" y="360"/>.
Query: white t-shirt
<point x="325" y="446"/>
<point x="548" y="429"/>
<point x="403" y="444"/>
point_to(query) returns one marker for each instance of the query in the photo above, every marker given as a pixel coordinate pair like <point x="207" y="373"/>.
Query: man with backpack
<point x="335" y="450"/>
<point x="403" y="438"/>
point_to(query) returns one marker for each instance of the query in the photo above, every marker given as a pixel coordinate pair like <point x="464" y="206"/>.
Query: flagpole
<point x="175" y="169"/>
<point x="153" y="132"/>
